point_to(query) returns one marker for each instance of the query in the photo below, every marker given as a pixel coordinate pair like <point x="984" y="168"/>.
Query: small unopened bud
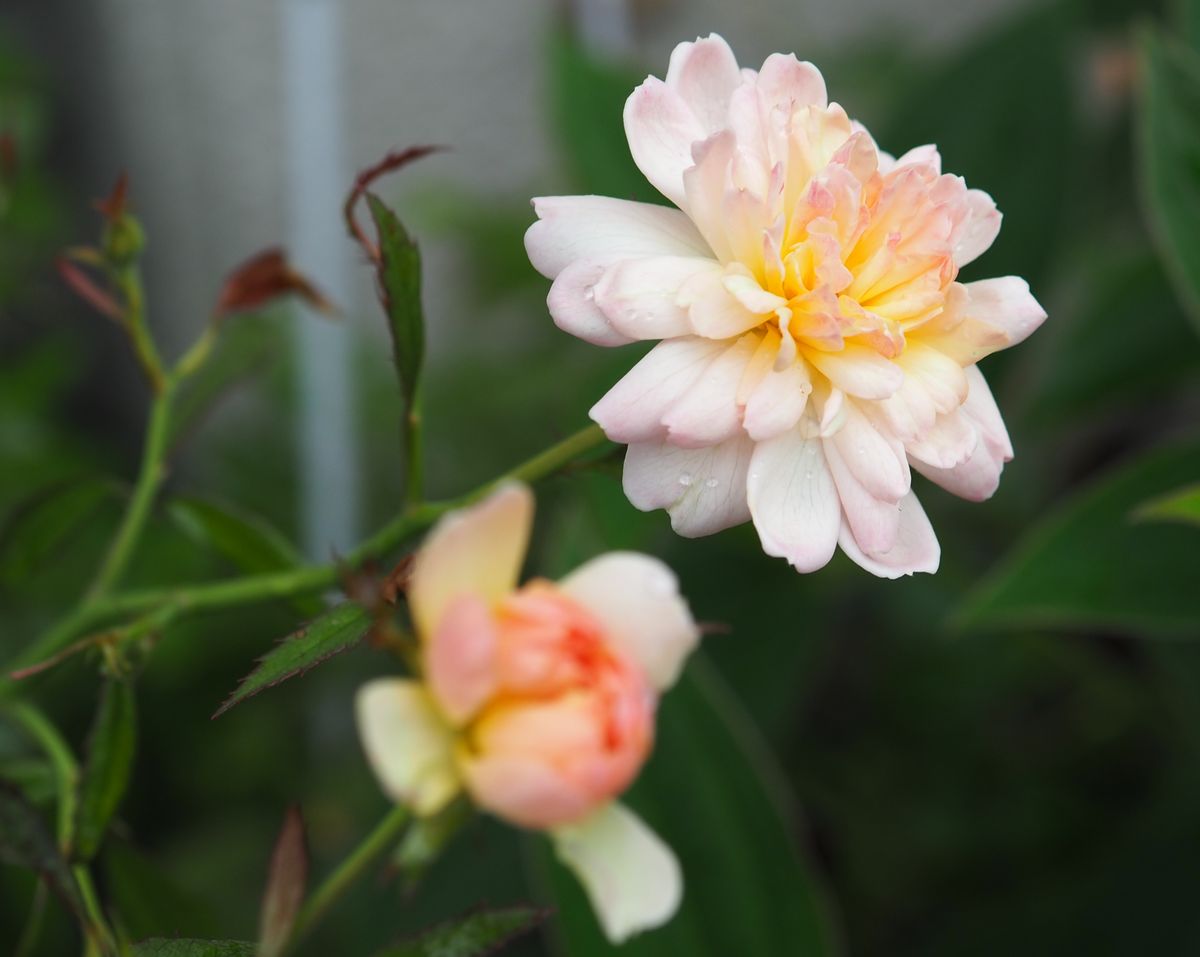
<point x="123" y="240"/>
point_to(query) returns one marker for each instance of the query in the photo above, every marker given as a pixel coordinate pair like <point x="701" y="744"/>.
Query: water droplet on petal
<point x="589" y="293"/>
<point x="711" y="483"/>
<point x="685" y="480"/>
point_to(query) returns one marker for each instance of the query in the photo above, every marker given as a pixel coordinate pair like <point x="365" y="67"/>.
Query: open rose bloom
<point x="538" y="701"/>
<point x="816" y="344"/>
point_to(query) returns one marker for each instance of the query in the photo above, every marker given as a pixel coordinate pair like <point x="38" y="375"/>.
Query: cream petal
<point x="460" y="658"/>
<point x="916" y="548"/>
<point x="408" y="744"/>
<point x="981" y="407"/>
<point x="474" y="551"/>
<point x="874" y="522"/>
<point x="789" y="84"/>
<point x="876" y="461"/>
<point x="631" y="877"/>
<point x="975" y="479"/>
<point x="982" y="317"/>
<point x="572" y="304"/>
<point x="591" y="227"/>
<point x="926" y="156"/>
<point x="707" y="412"/>
<point x="713" y="310"/>
<point x="705" y="184"/>
<point x="793" y="500"/>
<point x="633" y="409"/>
<point x="948" y="444"/>
<point x="641" y="297"/>
<point x="858" y="371"/>
<point x="636" y="598"/>
<point x="979" y="228"/>
<point x="704" y="490"/>
<point x="704" y="74"/>
<point x="661" y="129"/>
<point x="778" y="401"/>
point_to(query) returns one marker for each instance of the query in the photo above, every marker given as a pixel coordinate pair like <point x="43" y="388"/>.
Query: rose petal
<point x="408" y="744"/>
<point x="778" y="401"/>
<point x="631" y="877"/>
<point x="460" y="658"/>
<point x="704" y="490"/>
<point x="589" y="227"/>
<point x="642" y="298"/>
<point x="572" y="304"/>
<point x="874" y="522"/>
<point x="707" y="412"/>
<point x="661" y="129"/>
<point x="788" y="84"/>
<point x="793" y="500"/>
<point x="916" y="548"/>
<point x="704" y="74"/>
<point x="522" y="790"/>
<point x="475" y="551"/>
<point x="859" y="371"/>
<point x="876" y="461"/>
<point x="978" y="230"/>
<point x="636" y="598"/>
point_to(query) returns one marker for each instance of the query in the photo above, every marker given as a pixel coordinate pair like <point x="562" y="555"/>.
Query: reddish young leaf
<point x="263" y="277"/>
<point x="287" y="880"/>
<point x="113" y="206"/>
<point x="86" y="289"/>
<point x="393" y="161"/>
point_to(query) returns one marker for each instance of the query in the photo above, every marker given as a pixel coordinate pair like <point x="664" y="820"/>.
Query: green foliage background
<point x="1003" y="758"/>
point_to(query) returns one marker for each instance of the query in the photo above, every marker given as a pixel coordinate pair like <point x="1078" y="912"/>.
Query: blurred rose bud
<point x="539" y="701"/>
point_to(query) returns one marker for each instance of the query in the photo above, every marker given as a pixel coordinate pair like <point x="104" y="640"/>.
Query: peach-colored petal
<point x="916" y="548"/>
<point x="570" y="228"/>
<point x="637" y="599"/>
<point x="642" y="298"/>
<point x="707" y="412"/>
<point x="524" y="790"/>
<point x="408" y="745"/>
<point x="714" y="311"/>
<point x="704" y="490"/>
<point x="859" y="371"/>
<point x="631" y="877"/>
<point x="793" y="500"/>
<point x="978" y="230"/>
<point x="661" y="129"/>
<point x="777" y="402"/>
<point x="704" y="74"/>
<point x="475" y="551"/>
<point x="460" y="657"/>
<point x="982" y="317"/>
<point x="633" y="409"/>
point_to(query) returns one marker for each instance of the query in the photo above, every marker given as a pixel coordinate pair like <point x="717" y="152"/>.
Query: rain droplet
<point x="711" y="483"/>
<point x="808" y="473"/>
<point x="589" y="292"/>
<point x="685" y="480"/>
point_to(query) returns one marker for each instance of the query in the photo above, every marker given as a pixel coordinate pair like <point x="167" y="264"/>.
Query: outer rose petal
<point x="661" y="129"/>
<point x="632" y="410"/>
<point x="704" y="74"/>
<point x="572" y="304"/>
<point x="979" y="230"/>
<point x="793" y="500"/>
<point x="789" y="83"/>
<point x="460" y="657"/>
<point x="636" y="598"/>
<point x="704" y="490"/>
<point x="522" y="790"/>
<point x="477" y="551"/>
<point x="590" y="227"/>
<point x="631" y="877"/>
<point x="707" y="413"/>
<point x="641" y="297"/>
<point x="875" y="523"/>
<point x="983" y="317"/>
<point x="916" y="548"/>
<point x="408" y="744"/>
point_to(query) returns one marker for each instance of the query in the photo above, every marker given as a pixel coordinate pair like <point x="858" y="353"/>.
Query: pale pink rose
<point x="538" y="701"/>
<point x="816" y="344"/>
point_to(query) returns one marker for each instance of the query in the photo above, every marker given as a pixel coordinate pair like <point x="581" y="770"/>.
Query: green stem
<point x="150" y="477"/>
<point x="386" y="833"/>
<point x="99" y="937"/>
<point x="186" y="599"/>
<point x="66" y="769"/>
<point x="414" y="477"/>
<point x="33" y="924"/>
<point x="129" y="280"/>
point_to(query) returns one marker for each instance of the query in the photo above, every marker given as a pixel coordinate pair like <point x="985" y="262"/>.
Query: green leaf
<point x="711" y="792"/>
<point x="335" y="631"/>
<point x="109" y="762"/>
<point x="180" y="947"/>
<point x="25" y="842"/>
<point x="47" y="522"/>
<point x="151" y="899"/>
<point x="1088" y="564"/>
<point x="287" y="879"/>
<point x="1169" y="155"/>
<point x="249" y="542"/>
<point x="400" y="282"/>
<point x="1182" y="505"/>
<point x="474" y="935"/>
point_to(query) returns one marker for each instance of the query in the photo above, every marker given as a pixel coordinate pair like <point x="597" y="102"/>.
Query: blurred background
<point x="1001" y="758"/>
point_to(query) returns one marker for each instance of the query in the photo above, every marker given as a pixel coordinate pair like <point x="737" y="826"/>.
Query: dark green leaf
<point x="474" y="935"/>
<point x="1182" y="505"/>
<point x="588" y="101"/>
<point x="180" y="947"/>
<point x="247" y="541"/>
<point x="47" y="522"/>
<point x="400" y="283"/>
<point x="1091" y="363"/>
<point x="712" y="794"/>
<point x="25" y="842"/>
<point x="286" y="883"/>
<point x="35" y="777"/>
<point x="150" y="899"/>
<point x="1169" y="148"/>
<point x="109" y="762"/>
<point x="1088" y="564"/>
<point x="335" y="631"/>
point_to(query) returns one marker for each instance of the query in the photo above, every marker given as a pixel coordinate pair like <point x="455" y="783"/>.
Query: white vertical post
<point x="317" y="180"/>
